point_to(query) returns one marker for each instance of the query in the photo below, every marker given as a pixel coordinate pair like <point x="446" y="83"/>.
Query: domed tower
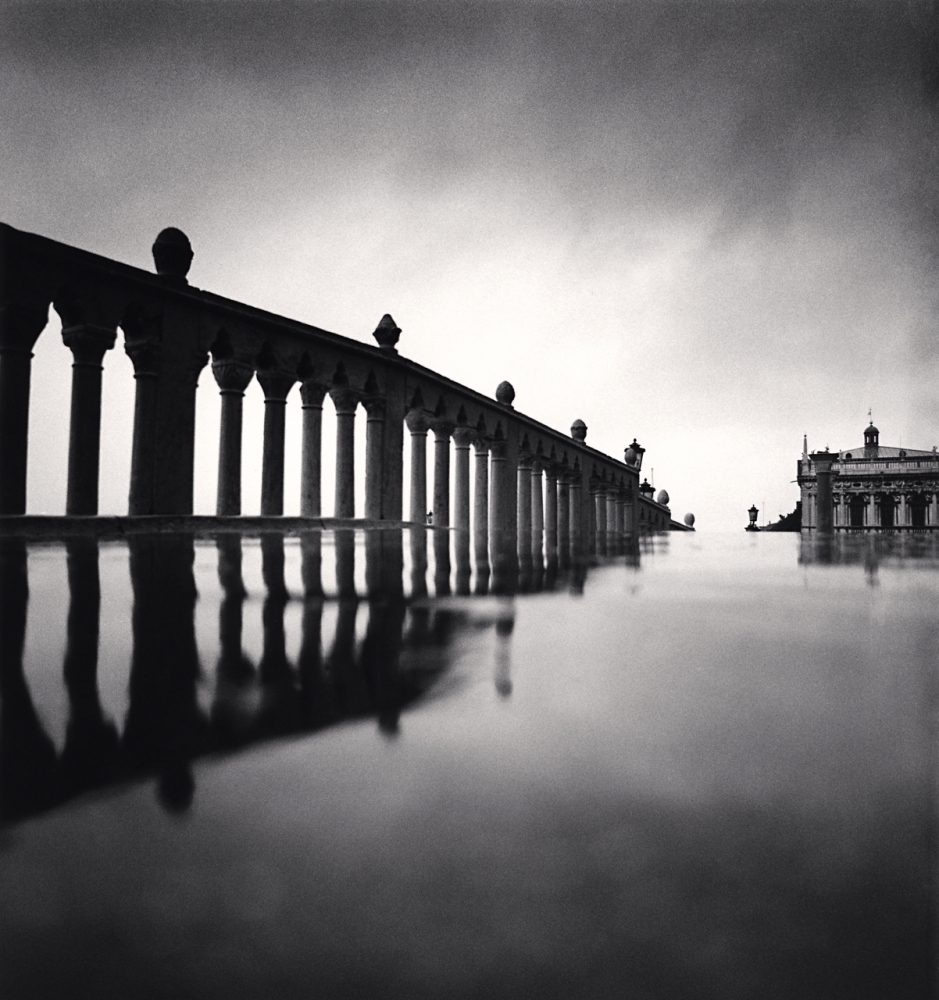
<point x="871" y="441"/>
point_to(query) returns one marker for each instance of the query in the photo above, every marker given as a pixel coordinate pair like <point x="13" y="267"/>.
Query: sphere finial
<point x="689" y="520"/>
<point x="172" y="254"/>
<point x="505" y="393"/>
<point x="579" y="430"/>
<point x="387" y="333"/>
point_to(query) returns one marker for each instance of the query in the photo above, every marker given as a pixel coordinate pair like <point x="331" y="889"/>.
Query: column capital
<point x="374" y="407"/>
<point x="312" y="394"/>
<point x="463" y="437"/>
<point x="232" y="375"/>
<point x="524" y="462"/>
<point x="481" y="445"/>
<point x="276" y="383"/>
<point x="344" y="399"/>
<point x="142" y="324"/>
<point x="443" y="429"/>
<point x="88" y="343"/>
<point x="21" y="322"/>
<point x="417" y="422"/>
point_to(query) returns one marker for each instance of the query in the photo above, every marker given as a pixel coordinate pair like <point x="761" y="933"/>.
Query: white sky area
<point x="708" y="226"/>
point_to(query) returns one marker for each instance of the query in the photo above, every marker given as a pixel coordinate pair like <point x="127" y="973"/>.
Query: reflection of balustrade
<point x="539" y="490"/>
<point x="405" y="649"/>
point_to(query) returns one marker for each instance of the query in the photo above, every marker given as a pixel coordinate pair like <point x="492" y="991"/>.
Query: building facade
<point x="872" y="488"/>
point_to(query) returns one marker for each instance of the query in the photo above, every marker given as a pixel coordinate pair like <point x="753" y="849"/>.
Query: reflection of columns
<point x="564" y="519"/>
<point x="311" y="393"/>
<point x="344" y="540"/>
<point x="276" y="386"/>
<point x="165" y="726"/>
<point x="87" y="344"/>
<point x="311" y="563"/>
<point x="233" y="665"/>
<point x="523" y="519"/>
<point x="381" y="652"/>
<point x="20" y="326"/>
<point x="280" y="703"/>
<point x="503" y="671"/>
<point x="481" y="516"/>
<point x="374" y="439"/>
<point x="91" y="752"/>
<point x="462" y="438"/>
<point x="340" y="664"/>
<point x="441" y="508"/>
<point x="384" y="564"/>
<point x="345" y="401"/>
<point x="232" y="378"/>
<point x="27" y="755"/>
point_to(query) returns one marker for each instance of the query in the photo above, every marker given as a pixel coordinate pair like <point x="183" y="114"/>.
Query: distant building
<point x="871" y="488"/>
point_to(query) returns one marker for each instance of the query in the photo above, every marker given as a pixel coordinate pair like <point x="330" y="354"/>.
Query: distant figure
<point x="430" y="517"/>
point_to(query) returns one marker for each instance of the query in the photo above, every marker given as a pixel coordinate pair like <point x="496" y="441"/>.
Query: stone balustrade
<point x="538" y="494"/>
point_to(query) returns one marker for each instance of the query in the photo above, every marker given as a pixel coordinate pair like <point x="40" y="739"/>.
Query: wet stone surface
<point x="243" y="767"/>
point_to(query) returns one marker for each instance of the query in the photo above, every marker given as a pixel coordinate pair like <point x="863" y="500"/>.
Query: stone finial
<point x="579" y="430"/>
<point x="689" y="520"/>
<point x="662" y="498"/>
<point x="387" y="333"/>
<point x="172" y="254"/>
<point x="505" y="393"/>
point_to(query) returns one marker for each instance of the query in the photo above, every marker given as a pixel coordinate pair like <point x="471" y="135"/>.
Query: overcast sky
<point x="711" y="226"/>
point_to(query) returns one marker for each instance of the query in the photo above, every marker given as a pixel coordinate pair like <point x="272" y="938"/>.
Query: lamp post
<point x="754" y="513"/>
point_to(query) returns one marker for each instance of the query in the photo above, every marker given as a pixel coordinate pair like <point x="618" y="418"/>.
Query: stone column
<point x="87" y="344"/>
<point x="823" y="462"/>
<point x="462" y="438"/>
<point x="537" y="517"/>
<point x="872" y="511"/>
<point x="611" y="528"/>
<point x="481" y="516"/>
<point x="600" y="518"/>
<point x="564" y="519"/>
<point x="345" y="401"/>
<point x="441" y="508"/>
<point x="550" y="514"/>
<point x="934" y="510"/>
<point x="232" y="378"/>
<point x="20" y="326"/>
<point x="903" y="510"/>
<point x="417" y="425"/>
<point x="374" y="435"/>
<point x="523" y="519"/>
<point x="312" y="395"/>
<point x="142" y="329"/>
<point x="276" y="385"/>
<point x="576" y="516"/>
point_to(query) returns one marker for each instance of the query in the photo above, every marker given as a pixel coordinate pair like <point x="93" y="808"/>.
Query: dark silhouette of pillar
<point x="441" y="508"/>
<point x="312" y="395"/>
<point x="481" y="516"/>
<point x="825" y="502"/>
<point x="91" y="755"/>
<point x="88" y="344"/>
<point x="374" y="441"/>
<point x="232" y="378"/>
<point x="276" y="385"/>
<point x="462" y="439"/>
<point x="345" y="401"/>
<point x="21" y="322"/>
<point x="28" y="767"/>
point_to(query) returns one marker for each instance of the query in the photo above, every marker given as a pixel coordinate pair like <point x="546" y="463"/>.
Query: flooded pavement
<point x="274" y="767"/>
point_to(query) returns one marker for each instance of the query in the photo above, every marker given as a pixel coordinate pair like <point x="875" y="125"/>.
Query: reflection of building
<point x="871" y="488"/>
